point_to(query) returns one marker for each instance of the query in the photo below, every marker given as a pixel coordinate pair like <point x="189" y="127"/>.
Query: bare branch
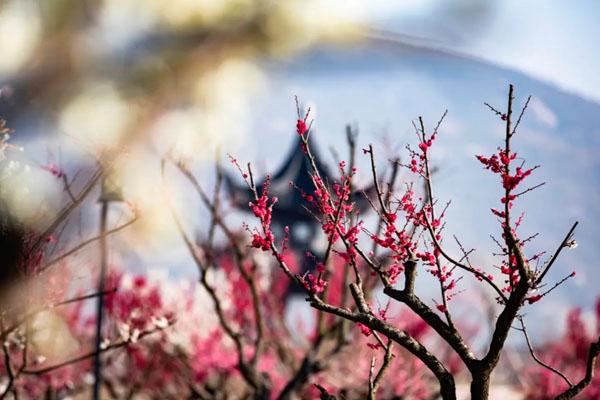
<point x="521" y="115"/>
<point x="536" y="359"/>
<point x="87" y="242"/>
<point x="562" y="245"/>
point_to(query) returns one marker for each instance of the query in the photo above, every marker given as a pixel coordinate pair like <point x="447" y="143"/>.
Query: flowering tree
<point x="411" y="233"/>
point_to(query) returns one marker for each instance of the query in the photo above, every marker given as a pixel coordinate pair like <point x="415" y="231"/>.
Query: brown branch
<point x="432" y="208"/>
<point x="521" y="115"/>
<point x="351" y="140"/>
<point x="529" y="189"/>
<point x="461" y="265"/>
<point x="439" y="123"/>
<point x="519" y="292"/>
<point x="216" y="203"/>
<point x="562" y="245"/>
<point x="444" y="377"/>
<point x="325" y="395"/>
<point x="375" y="381"/>
<point x="446" y="332"/>
<point x="68" y="188"/>
<point x="376" y="181"/>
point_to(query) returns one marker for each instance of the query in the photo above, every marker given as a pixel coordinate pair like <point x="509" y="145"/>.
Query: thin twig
<point x="87" y="242"/>
<point x="562" y="245"/>
<point x="536" y="359"/>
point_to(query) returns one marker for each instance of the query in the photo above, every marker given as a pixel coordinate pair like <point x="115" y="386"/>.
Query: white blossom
<point x="125" y="332"/>
<point x="160" y="323"/>
<point x="571" y="244"/>
<point x="135" y="335"/>
<point x="104" y="344"/>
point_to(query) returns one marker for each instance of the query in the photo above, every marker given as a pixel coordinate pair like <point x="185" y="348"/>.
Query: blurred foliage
<point x="132" y="61"/>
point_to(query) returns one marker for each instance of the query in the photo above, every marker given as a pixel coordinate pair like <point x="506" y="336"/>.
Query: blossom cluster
<point x="501" y="164"/>
<point x="263" y="209"/>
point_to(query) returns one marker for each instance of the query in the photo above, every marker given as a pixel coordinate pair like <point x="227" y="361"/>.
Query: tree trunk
<point x="480" y="385"/>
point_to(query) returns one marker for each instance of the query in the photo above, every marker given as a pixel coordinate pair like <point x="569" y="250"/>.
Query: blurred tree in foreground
<point x="110" y="73"/>
<point x="120" y="82"/>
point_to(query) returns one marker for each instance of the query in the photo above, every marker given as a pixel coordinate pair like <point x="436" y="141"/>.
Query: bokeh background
<point x="200" y="79"/>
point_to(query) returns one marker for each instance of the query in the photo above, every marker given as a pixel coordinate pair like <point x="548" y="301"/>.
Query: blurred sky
<point x="552" y="40"/>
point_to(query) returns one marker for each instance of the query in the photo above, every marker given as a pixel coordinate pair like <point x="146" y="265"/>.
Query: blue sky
<point x="552" y="40"/>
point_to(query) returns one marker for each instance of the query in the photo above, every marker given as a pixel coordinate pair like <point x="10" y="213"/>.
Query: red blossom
<point x="364" y="329"/>
<point x="491" y="163"/>
<point x="534" y="298"/>
<point x="314" y="284"/>
<point x="301" y="127"/>
<point x="54" y="170"/>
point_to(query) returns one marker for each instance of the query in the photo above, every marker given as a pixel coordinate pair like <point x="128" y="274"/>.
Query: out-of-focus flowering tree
<point x="568" y="353"/>
<point x="108" y="73"/>
<point x="222" y="336"/>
